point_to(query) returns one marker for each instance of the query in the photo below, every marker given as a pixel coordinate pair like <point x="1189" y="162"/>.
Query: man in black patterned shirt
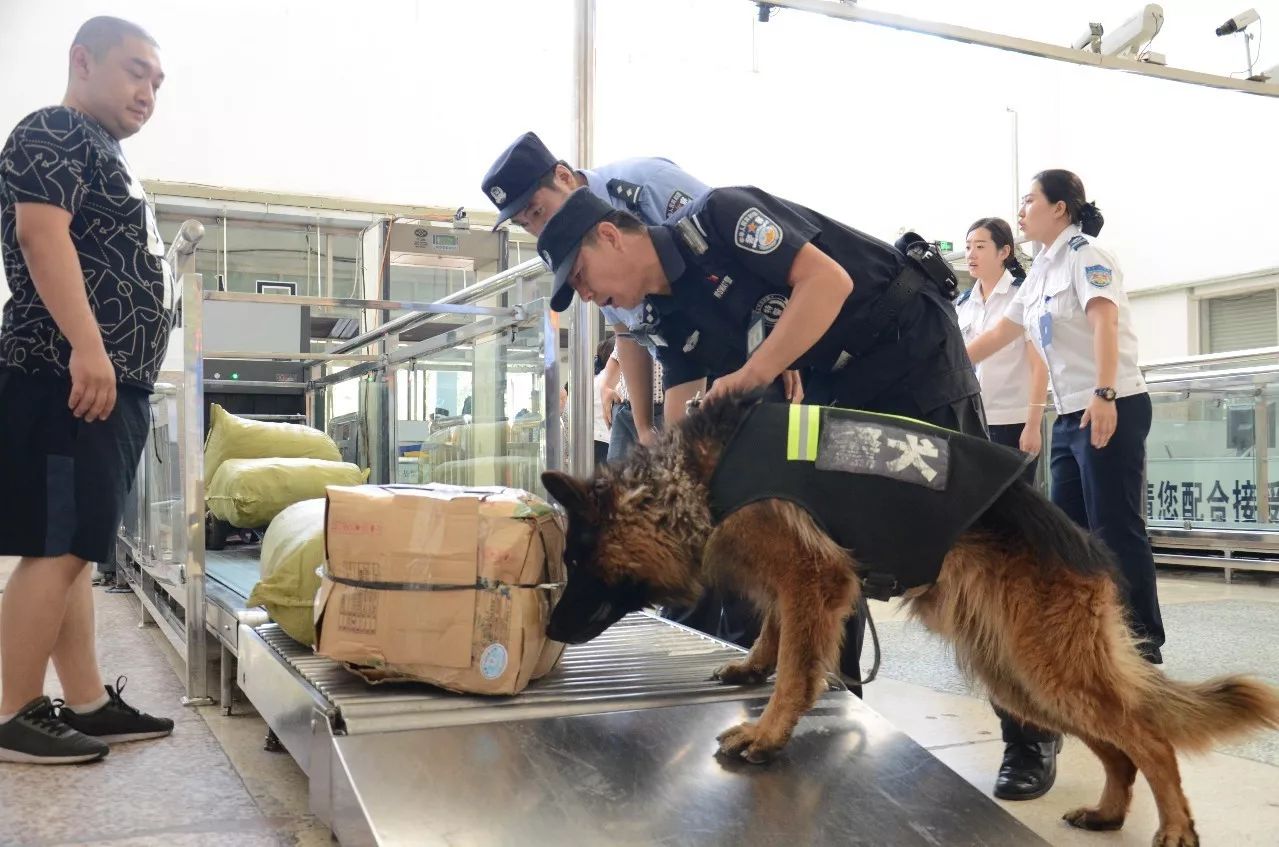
<point x="83" y="335"/>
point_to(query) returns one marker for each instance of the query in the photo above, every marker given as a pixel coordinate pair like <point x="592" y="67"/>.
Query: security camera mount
<point x="1238" y="25"/>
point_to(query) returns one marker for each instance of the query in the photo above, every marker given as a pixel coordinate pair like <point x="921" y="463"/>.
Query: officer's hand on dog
<point x="794" y="386"/>
<point x="1102" y="416"/>
<point x="741" y="381"/>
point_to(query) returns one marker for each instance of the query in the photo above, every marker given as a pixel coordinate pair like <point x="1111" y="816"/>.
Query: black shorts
<point x="65" y="481"/>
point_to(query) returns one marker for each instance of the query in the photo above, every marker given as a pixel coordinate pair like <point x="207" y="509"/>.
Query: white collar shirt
<point x="1005" y="375"/>
<point x="1052" y="304"/>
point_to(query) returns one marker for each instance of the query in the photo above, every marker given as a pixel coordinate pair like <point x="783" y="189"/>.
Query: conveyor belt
<point x="641" y="662"/>
<point x="237" y="568"/>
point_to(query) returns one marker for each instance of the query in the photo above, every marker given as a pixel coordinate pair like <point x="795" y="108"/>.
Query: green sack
<point x="248" y="493"/>
<point x="232" y="437"/>
<point x="292" y="550"/>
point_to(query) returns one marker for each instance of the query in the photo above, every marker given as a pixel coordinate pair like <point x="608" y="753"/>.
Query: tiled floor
<point x="212" y="784"/>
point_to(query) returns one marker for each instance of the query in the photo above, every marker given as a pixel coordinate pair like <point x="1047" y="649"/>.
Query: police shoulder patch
<point x="1078" y="242"/>
<point x="1099" y="276"/>
<point x="678" y="201"/>
<point x="963" y="298"/>
<point x="628" y="192"/>
<point x="757" y="232"/>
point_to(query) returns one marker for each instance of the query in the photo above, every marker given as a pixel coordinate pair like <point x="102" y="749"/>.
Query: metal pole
<point x="1016" y="169"/>
<point x="582" y="339"/>
<point x="967" y="35"/>
<point x="1261" y="441"/>
<point x="191" y="423"/>
<point x="550" y="387"/>
<point x="481" y="290"/>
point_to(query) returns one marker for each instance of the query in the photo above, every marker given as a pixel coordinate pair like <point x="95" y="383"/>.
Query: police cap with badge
<point x="562" y="238"/>
<point x="512" y="180"/>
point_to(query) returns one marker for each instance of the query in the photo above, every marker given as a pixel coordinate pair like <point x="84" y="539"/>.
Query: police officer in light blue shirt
<point x="528" y="185"/>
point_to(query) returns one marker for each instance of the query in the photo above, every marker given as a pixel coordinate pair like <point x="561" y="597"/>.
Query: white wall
<point x="409" y="101"/>
<point x="1163" y="325"/>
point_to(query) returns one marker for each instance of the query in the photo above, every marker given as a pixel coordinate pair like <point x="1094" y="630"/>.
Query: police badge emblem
<point x="757" y="232"/>
<point x="1099" y="276"/>
<point x="678" y="201"/>
<point x="498" y="195"/>
<point x="770" y="308"/>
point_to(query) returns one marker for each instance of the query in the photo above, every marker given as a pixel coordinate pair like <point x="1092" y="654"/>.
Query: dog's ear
<point x="573" y="494"/>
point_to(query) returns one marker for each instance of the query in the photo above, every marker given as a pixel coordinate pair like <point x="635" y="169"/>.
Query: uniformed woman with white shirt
<point x="1074" y="307"/>
<point x="1014" y="380"/>
<point x="1014" y="386"/>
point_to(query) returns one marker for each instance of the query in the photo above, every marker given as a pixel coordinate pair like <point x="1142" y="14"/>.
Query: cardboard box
<point x="440" y="584"/>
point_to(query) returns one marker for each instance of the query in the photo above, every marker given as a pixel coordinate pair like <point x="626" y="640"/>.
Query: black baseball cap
<point x="512" y="180"/>
<point x="562" y="237"/>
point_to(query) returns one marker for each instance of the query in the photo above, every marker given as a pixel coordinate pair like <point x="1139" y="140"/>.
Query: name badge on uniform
<point x="1045" y="328"/>
<point x="755" y="335"/>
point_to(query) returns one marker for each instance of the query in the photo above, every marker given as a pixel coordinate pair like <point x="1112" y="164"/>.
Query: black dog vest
<point x="895" y="492"/>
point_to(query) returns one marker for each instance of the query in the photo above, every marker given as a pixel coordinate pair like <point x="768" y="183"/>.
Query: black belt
<point x="882" y="315"/>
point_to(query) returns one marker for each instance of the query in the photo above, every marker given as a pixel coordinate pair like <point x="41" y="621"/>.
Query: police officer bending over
<point x="528" y="185"/>
<point x="745" y="284"/>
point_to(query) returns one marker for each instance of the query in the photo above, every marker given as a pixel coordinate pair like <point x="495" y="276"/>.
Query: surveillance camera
<point x="1136" y="31"/>
<point x="1239" y="22"/>
<point x="1090" y="40"/>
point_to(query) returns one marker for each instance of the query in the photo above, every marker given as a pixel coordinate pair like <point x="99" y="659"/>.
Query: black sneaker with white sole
<point x="117" y="721"/>
<point x="36" y="736"/>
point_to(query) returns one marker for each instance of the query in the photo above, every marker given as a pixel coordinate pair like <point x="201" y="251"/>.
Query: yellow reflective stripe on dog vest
<point x="803" y="433"/>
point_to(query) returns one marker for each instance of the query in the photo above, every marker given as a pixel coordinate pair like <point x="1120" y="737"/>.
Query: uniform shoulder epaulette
<point x="628" y="191"/>
<point x="1078" y="242"/>
<point x="963" y="298"/>
<point x="1018" y="280"/>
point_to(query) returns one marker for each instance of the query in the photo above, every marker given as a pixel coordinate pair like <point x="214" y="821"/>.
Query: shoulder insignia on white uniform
<point x="629" y="192"/>
<point x="1078" y="242"/>
<point x="963" y="298"/>
<point x="1099" y="276"/>
<point x="757" y="232"/>
<point x="678" y="201"/>
<point x="1018" y="280"/>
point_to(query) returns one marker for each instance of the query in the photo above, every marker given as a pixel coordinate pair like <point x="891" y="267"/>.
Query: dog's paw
<point x="740" y="673"/>
<point x="1176" y="835"/>
<point x="1089" y="818"/>
<point x="747" y="741"/>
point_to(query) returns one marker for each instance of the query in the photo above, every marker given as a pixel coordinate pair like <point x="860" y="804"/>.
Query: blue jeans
<point x="623" y="437"/>
<point x="1103" y="491"/>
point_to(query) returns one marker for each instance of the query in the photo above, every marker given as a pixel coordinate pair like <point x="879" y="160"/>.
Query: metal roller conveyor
<point x="616" y="746"/>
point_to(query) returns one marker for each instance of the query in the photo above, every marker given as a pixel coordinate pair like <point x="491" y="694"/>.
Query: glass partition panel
<point x="1208" y="458"/>
<point x="473" y="412"/>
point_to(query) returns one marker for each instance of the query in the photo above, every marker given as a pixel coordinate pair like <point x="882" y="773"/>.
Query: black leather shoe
<point x="1028" y="771"/>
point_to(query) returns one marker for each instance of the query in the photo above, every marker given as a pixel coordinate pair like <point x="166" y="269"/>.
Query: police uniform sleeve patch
<point x="877" y="449"/>
<point x="1078" y="242"/>
<point x="628" y="192"/>
<point x="963" y="298"/>
<point x="757" y="232"/>
<point x="678" y="201"/>
<point x="1099" y="276"/>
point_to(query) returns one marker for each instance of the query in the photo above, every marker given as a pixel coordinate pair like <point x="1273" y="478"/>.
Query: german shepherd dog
<point x="1028" y="600"/>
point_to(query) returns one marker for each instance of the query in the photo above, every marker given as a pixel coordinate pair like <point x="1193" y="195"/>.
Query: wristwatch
<point x="1105" y="393"/>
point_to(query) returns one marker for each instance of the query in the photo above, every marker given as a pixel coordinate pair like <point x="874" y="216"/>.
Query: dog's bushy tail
<point x="1023" y="515"/>
<point x="1192" y="716"/>
<point x="1195" y="716"/>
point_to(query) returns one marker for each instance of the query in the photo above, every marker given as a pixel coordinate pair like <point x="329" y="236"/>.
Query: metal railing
<point x="490" y="320"/>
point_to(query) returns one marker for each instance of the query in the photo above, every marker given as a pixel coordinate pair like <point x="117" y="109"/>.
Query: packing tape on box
<point x="480" y="584"/>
